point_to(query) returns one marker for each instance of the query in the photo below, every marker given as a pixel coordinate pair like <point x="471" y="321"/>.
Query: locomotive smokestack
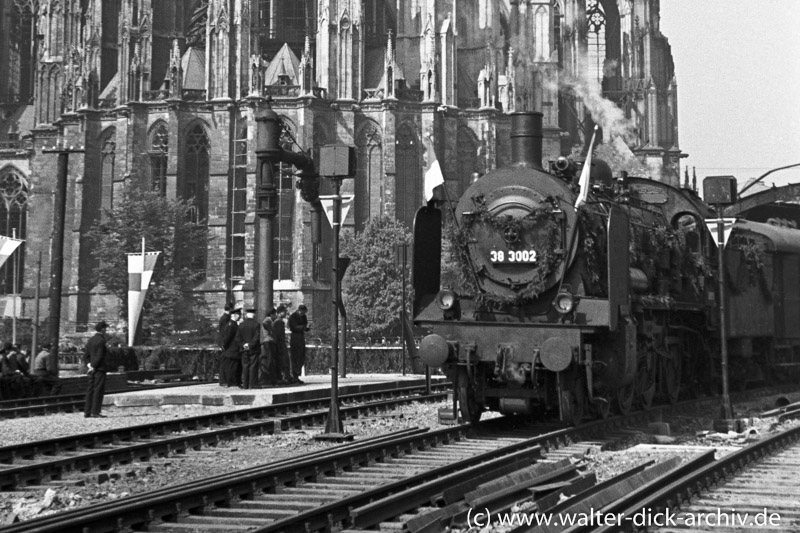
<point x="526" y="139"/>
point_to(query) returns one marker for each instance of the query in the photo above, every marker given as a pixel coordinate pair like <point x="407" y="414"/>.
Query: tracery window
<point x="159" y="148"/>
<point x="195" y="175"/>
<point x="108" y="153"/>
<point x="368" y="173"/>
<point x="408" y="177"/>
<point x="275" y="22"/>
<point x="22" y="51"/>
<point x="467" y="164"/>
<point x="194" y="184"/>
<point x="596" y="35"/>
<point x="283" y="236"/>
<point x="557" y="44"/>
<point x="13" y="222"/>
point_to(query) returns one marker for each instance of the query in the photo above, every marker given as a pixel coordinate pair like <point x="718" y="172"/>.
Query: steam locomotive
<point x="555" y="309"/>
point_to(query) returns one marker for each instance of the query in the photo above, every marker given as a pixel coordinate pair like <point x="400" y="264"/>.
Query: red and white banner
<point x="140" y="271"/>
<point x="7" y="247"/>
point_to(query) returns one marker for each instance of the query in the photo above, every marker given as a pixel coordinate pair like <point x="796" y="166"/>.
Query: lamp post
<point x="401" y="256"/>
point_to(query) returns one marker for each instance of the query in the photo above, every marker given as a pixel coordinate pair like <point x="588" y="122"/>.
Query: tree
<point x="166" y="227"/>
<point x="372" y="286"/>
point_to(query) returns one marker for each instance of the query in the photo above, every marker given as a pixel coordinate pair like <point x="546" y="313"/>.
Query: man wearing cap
<point x="282" y="362"/>
<point x="266" y="362"/>
<point x="43" y="368"/>
<point x="12" y="385"/>
<point x="226" y="316"/>
<point x="95" y="354"/>
<point x="298" y="325"/>
<point x="250" y="341"/>
<point x="230" y="366"/>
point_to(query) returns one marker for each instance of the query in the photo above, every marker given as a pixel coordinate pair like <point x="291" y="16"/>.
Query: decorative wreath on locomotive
<point x="556" y="308"/>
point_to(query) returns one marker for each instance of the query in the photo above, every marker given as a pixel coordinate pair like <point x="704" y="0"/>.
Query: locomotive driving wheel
<point x="625" y="397"/>
<point x="672" y="374"/>
<point x="646" y="384"/>
<point x="601" y="405"/>
<point x="471" y="410"/>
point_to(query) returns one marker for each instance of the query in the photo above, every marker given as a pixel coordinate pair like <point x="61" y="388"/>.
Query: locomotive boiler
<point x="555" y="308"/>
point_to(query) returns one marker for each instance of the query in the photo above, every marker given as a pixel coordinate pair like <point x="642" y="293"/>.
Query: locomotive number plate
<point x="512" y="256"/>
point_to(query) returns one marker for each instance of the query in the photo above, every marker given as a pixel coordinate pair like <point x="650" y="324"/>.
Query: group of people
<point x="19" y="380"/>
<point x="256" y="355"/>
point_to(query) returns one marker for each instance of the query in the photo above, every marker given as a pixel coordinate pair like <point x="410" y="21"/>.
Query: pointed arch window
<point x="596" y="36"/>
<point x="368" y="174"/>
<point x="195" y="176"/>
<point x="322" y="252"/>
<point x="22" y="50"/>
<point x="107" y="155"/>
<point x="408" y="177"/>
<point x="159" y="148"/>
<point x="467" y="146"/>
<point x="283" y="236"/>
<point x="13" y="221"/>
<point x="557" y="44"/>
<point x="194" y="185"/>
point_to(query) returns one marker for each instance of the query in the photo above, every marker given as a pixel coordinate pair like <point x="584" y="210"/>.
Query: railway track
<point x="414" y="480"/>
<point x="359" y="485"/>
<point x="307" y="493"/>
<point x="754" y="489"/>
<point x="42" y="461"/>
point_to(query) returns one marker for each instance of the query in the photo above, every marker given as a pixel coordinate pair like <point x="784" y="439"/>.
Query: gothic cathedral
<point x="159" y="93"/>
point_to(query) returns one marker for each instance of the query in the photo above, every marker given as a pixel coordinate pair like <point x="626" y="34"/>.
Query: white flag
<point x="433" y="178"/>
<point x="7" y="247"/>
<point x="140" y="270"/>
<point x="585" y="172"/>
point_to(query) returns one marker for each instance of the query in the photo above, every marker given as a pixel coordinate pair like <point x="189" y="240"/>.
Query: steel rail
<point x="668" y="493"/>
<point x="166" y="504"/>
<point x="170" y="437"/>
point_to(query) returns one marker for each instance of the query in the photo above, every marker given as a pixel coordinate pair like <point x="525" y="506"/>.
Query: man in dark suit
<point x="249" y="340"/>
<point x="226" y="316"/>
<point x="95" y="354"/>
<point x="230" y="366"/>
<point x="282" y="350"/>
<point x="298" y="325"/>
<point x="268" y="376"/>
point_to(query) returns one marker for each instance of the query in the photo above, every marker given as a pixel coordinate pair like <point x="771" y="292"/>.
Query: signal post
<point x="720" y="191"/>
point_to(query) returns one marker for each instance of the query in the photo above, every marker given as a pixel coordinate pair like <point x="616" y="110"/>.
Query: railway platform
<point x="315" y="386"/>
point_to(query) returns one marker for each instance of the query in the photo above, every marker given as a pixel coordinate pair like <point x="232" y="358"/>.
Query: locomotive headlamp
<point x="564" y="301"/>
<point x="446" y="299"/>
